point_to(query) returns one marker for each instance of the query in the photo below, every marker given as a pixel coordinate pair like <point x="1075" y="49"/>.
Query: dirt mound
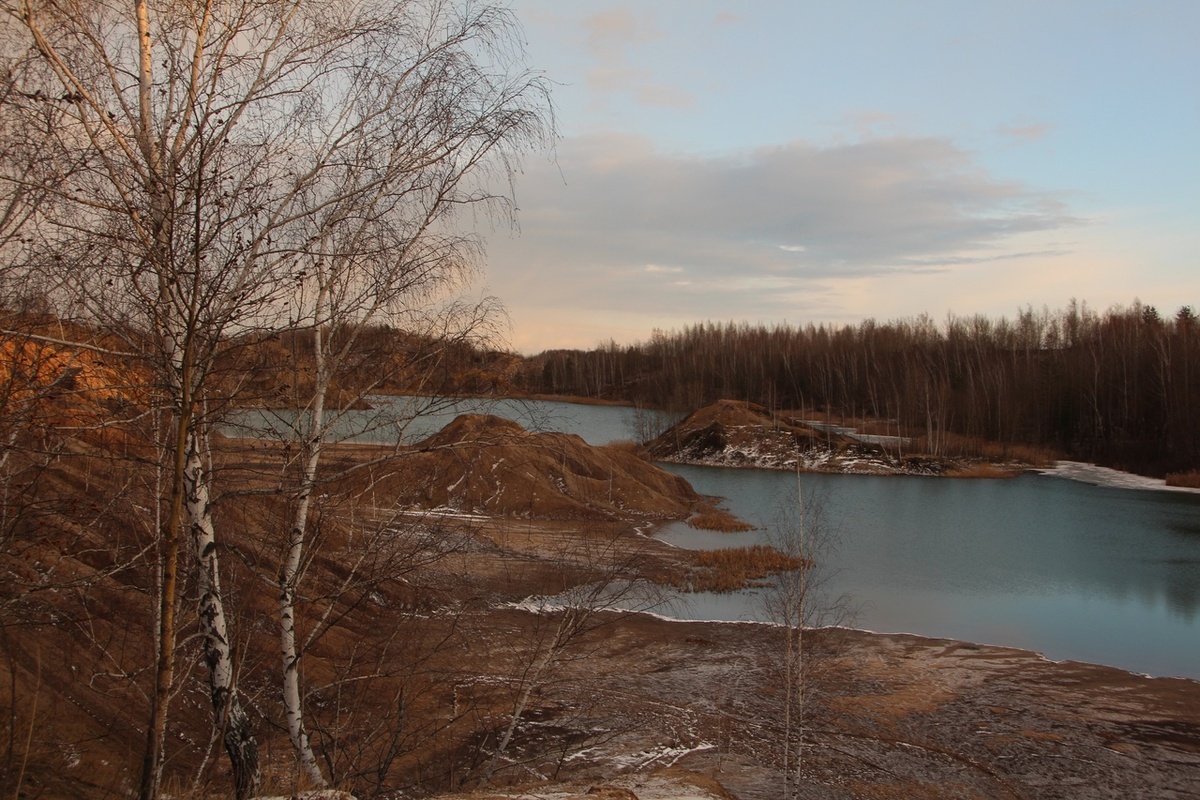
<point x="734" y="433"/>
<point x="485" y="464"/>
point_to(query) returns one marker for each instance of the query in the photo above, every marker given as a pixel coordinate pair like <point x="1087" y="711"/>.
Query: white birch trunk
<point x="801" y="602"/>
<point x="544" y="662"/>
<point x="289" y="571"/>
<point x="228" y="714"/>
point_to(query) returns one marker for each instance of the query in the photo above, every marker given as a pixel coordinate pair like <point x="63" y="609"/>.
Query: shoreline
<point x="875" y="469"/>
<point x="931" y="638"/>
<point x="1107" y="477"/>
<point x="885" y="715"/>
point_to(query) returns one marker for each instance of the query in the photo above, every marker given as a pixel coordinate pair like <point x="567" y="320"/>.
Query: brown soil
<point x="888" y="716"/>
<point x="532" y="514"/>
<point x="486" y="464"/>
<point x="730" y="425"/>
<point x="739" y="434"/>
<point x="428" y="646"/>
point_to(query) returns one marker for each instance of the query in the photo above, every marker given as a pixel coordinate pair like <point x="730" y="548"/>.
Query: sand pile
<point x="488" y="465"/>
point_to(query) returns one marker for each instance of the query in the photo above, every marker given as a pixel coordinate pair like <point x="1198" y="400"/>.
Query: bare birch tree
<point x="797" y="601"/>
<point x="251" y="164"/>
<point x="164" y="233"/>
<point x="431" y="122"/>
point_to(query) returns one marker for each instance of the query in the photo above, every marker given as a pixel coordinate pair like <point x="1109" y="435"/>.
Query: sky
<point x="796" y="161"/>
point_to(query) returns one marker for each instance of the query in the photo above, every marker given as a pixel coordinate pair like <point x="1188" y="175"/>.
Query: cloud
<point x="600" y="230"/>
<point x="611" y="30"/>
<point x="614" y="78"/>
<point x="727" y="18"/>
<point x="610" y="36"/>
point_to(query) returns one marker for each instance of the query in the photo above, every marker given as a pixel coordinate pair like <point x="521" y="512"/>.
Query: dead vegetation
<point x="414" y="680"/>
<point x="711" y="517"/>
<point x="981" y="469"/>
<point x="425" y="637"/>
<point x="485" y="464"/>
<point x="718" y="520"/>
<point x="402" y="586"/>
<point x="957" y="446"/>
<point x="739" y="434"/>
<point x="1189" y="480"/>
<point x="889" y="716"/>
<point x="732" y="568"/>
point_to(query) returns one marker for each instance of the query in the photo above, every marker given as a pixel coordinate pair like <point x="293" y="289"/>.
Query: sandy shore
<point x="697" y="704"/>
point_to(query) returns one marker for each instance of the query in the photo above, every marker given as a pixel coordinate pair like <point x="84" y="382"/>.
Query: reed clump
<point x="733" y="568"/>
<point x="626" y="446"/>
<point x="710" y="517"/>
<point x="1188" y="480"/>
<point x="982" y="469"/>
<point x="718" y="520"/>
<point x="953" y="445"/>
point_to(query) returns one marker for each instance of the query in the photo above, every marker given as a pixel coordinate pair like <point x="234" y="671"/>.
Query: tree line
<point x="1119" y="386"/>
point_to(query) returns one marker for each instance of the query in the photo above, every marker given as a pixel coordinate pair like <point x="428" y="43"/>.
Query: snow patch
<point x="668" y="756"/>
<point x="1110" y="478"/>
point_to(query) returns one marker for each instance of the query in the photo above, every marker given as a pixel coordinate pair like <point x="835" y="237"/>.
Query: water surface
<point x="410" y="419"/>
<point x="1065" y="568"/>
<point x="1072" y="570"/>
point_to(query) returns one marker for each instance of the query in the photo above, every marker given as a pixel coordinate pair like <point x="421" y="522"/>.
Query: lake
<point x="1066" y="568"/>
<point x="411" y="419"/>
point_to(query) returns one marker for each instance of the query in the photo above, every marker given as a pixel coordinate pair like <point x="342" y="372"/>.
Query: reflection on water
<point x="1065" y="568"/>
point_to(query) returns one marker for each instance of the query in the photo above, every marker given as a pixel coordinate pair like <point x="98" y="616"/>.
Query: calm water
<point x="392" y="419"/>
<point x="1069" y="569"/>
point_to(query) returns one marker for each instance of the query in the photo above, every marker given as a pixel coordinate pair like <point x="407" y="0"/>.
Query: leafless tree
<point x="798" y="601"/>
<point x="248" y="165"/>
<point x="602" y="577"/>
<point x="431" y="122"/>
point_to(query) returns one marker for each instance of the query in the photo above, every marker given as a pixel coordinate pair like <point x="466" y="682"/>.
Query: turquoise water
<point x="1065" y="568"/>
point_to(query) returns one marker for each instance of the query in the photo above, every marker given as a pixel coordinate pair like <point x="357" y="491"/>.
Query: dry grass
<point x="982" y="469"/>
<point x="1190" y="480"/>
<point x="952" y="445"/>
<point x="625" y="446"/>
<point x="711" y="517"/>
<point x="733" y="568"/>
<point x="718" y="520"/>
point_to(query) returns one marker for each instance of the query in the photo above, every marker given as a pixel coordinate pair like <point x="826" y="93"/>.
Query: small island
<point x="731" y="433"/>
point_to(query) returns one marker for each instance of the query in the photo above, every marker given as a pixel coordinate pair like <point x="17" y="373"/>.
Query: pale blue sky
<point x="828" y="161"/>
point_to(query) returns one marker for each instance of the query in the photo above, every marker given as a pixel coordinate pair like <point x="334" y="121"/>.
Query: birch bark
<point x="313" y="436"/>
<point x="228" y="714"/>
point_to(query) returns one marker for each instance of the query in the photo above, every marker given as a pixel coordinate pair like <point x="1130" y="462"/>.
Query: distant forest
<point x="1119" y="387"/>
